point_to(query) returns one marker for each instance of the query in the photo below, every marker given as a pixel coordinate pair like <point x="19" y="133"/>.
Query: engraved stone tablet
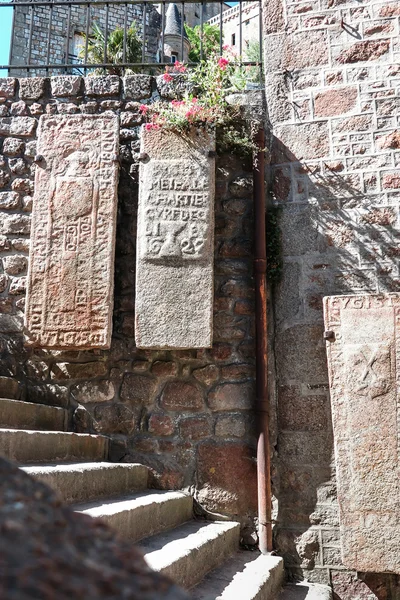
<point x="175" y="250"/>
<point x="364" y="374"/>
<point x="71" y="270"/>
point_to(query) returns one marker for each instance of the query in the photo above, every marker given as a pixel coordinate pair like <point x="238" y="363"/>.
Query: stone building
<point x="240" y="25"/>
<point x="333" y="186"/>
<point x="176" y="43"/>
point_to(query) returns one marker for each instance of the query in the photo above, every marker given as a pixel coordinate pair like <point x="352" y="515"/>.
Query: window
<point x="174" y="57"/>
<point x="233" y="39"/>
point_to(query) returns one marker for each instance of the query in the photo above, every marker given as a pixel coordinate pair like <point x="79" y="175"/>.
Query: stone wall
<point x="187" y="414"/>
<point x="333" y="99"/>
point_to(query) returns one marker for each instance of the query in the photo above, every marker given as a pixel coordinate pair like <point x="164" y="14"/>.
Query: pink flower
<point x="194" y="100"/>
<point x="143" y="108"/>
<point x="180" y="67"/>
<point x="223" y="63"/>
<point x="167" y="77"/>
<point x="149" y="126"/>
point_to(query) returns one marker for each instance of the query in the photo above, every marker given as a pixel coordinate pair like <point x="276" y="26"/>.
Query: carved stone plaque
<point x="175" y="249"/>
<point x="71" y="263"/>
<point x="364" y="373"/>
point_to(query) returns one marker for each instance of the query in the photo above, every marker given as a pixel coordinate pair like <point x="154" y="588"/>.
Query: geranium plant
<point x="204" y="104"/>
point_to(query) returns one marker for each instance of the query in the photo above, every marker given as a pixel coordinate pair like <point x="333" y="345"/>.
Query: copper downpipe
<point x="262" y="405"/>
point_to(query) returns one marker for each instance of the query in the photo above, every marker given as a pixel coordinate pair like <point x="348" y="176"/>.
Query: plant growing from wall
<point x="211" y="37"/>
<point x="96" y="43"/>
<point x="206" y="103"/>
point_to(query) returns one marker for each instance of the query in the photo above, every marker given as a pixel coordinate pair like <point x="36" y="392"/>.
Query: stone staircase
<point x="201" y="556"/>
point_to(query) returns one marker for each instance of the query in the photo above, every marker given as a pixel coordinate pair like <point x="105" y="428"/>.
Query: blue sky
<point x="5" y="34"/>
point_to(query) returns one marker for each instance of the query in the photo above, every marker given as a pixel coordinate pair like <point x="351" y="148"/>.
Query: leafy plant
<point x="211" y="37"/>
<point x="96" y="46"/>
<point x="206" y="104"/>
<point x="253" y="74"/>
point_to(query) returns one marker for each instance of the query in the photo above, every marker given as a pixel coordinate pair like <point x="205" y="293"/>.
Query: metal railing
<point x="66" y="36"/>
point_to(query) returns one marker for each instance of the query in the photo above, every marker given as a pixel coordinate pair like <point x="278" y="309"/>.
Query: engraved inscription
<point x="177" y="211"/>
<point x="364" y="370"/>
<point x="174" y="275"/>
<point x="70" y="282"/>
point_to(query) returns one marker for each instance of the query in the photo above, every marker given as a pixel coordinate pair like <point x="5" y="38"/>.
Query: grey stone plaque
<point x="175" y="249"/>
<point x="364" y="373"/>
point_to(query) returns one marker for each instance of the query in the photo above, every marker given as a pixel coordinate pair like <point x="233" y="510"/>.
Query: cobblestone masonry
<point x="333" y="96"/>
<point x="188" y="414"/>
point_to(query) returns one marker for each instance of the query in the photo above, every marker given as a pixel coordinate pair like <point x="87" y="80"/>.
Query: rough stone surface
<point x="31" y="88"/>
<point x="70" y="295"/>
<point x="49" y="550"/>
<point x="65" y="85"/>
<point x="137" y="87"/>
<point x="175" y="241"/>
<point x="335" y="102"/>
<point x="7" y="87"/>
<point x="102" y="86"/>
<point x="362" y="372"/>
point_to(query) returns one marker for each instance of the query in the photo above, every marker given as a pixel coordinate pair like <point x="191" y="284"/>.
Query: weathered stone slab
<point x="175" y="250"/>
<point x="364" y="374"/>
<point x="70" y="280"/>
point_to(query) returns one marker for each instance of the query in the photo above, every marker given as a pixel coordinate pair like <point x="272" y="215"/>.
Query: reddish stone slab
<point x="364" y="371"/>
<point x="71" y="270"/>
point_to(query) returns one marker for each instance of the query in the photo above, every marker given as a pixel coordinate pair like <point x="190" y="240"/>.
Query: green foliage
<point x="211" y="41"/>
<point x="115" y="48"/>
<point x="252" y="54"/>
<point x="274" y="245"/>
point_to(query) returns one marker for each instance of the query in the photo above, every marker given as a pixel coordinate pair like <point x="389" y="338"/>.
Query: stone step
<point x="27" y="415"/>
<point x="306" y="591"/>
<point x="144" y="514"/>
<point x="25" y="446"/>
<point x="245" y="576"/>
<point x="85" y="482"/>
<point x="190" y="551"/>
<point x="9" y="388"/>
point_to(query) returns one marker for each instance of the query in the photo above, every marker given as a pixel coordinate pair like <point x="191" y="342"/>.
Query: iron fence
<point x="52" y="37"/>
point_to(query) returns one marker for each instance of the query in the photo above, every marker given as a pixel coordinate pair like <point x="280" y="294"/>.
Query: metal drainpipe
<point x="262" y="406"/>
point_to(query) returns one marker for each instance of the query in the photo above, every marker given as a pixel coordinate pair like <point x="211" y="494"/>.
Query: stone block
<point x="174" y="272"/>
<point x="102" y="86"/>
<point x="137" y="87"/>
<point x="302" y="413"/>
<point x="70" y="285"/>
<point x="13" y="147"/>
<point x="230" y="426"/>
<point x="298" y="50"/>
<point x="300" y="355"/>
<point x="220" y="488"/>
<point x="181" y="396"/>
<point x="363" y="372"/>
<point x="93" y="391"/>
<point x="16" y="224"/>
<point x="18" y="126"/>
<point x="15" y="264"/>
<point x="7" y="87"/>
<point x="138" y="389"/>
<point x="9" y="200"/>
<point x="301" y="141"/>
<point x="114" y="418"/>
<point x="31" y="88"/>
<point x="232" y="396"/>
<point x="336" y="101"/>
<point x="65" y="85"/>
<point x="195" y="428"/>
<point x="367" y="50"/>
<point x="161" y="425"/>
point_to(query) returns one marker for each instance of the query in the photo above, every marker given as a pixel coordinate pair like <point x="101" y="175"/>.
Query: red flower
<point x="143" y="108"/>
<point x="167" y="77"/>
<point x="223" y="63"/>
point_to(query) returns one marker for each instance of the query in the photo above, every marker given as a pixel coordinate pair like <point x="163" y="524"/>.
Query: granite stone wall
<point x="333" y="99"/>
<point x="187" y="414"/>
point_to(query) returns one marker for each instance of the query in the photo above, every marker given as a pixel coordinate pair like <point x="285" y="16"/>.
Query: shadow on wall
<point x="340" y="235"/>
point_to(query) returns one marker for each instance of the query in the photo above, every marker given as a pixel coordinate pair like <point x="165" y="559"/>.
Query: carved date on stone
<point x="174" y="276"/>
<point x="364" y="374"/>
<point x="70" y="281"/>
